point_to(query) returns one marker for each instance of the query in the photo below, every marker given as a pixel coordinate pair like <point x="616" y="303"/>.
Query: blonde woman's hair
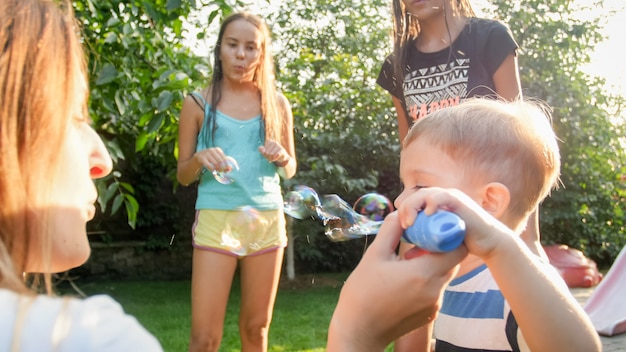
<point x="495" y="141"/>
<point x="264" y="78"/>
<point x="40" y="58"/>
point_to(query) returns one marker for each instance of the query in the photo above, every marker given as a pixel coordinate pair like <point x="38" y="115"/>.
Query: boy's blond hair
<point x="512" y="143"/>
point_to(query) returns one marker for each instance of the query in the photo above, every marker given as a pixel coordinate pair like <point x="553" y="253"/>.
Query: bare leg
<point x="260" y="276"/>
<point x="211" y="282"/>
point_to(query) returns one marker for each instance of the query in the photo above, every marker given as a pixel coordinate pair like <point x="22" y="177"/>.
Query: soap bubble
<point x="294" y="205"/>
<point x="226" y="172"/>
<point x="342" y="222"/>
<point x="240" y="235"/>
<point x="249" y="219"/>
<point x="336" y="215"/>
<point x="302" y="202"/>
<point x="335" y="207"/>
<point x="375" y="206"/>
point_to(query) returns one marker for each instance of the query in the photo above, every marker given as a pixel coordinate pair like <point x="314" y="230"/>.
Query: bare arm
<point x="419" y="339"/>
<point x="549" y="317"/>
<point x="188" y="167"/>
<point x="403" y="124"/>
<point x="288" y="140"/>
<point x="506" y="79"/>
<point x="282" y="154"/>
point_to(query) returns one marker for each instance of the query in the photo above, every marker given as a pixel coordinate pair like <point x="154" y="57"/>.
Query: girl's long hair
<point x="41" y="62"/>
<point x="271" y="110"/>
<point x="406" y="29"/>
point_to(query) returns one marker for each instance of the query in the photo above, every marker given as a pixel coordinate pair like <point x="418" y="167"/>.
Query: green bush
<point x="587" y="211"/>
<point x="327" y="60"/>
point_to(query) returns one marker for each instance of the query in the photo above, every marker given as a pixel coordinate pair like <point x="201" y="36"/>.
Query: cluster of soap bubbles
<point x="341" y="221"/>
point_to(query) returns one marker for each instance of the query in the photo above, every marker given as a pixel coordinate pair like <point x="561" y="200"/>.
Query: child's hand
<point x="213" y="159"/>
<point x="483" y="231"/>
<point x="274" y="152"/>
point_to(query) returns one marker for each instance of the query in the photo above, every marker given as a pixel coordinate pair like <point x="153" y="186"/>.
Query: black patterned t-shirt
<point x="465" y="69"/>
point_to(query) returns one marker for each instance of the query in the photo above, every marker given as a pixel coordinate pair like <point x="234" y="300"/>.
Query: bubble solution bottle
<point x="439" y="232"/>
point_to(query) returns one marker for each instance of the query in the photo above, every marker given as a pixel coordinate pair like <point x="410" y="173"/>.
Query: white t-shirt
<point x="56" y="324"/>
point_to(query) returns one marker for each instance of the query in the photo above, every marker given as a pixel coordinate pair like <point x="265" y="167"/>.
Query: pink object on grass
<point x="607" y="304"/>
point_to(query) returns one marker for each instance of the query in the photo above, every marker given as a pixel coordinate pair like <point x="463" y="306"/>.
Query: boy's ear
<point x="495" y="199"/>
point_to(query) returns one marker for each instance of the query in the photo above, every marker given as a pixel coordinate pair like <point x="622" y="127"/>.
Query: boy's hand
<point x="483" y="232"/>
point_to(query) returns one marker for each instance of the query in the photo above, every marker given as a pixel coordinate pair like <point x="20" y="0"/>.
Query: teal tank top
<point x="256" y="184"/>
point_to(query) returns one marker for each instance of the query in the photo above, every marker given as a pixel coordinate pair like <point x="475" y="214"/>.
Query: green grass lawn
<point x="301" y="315"/>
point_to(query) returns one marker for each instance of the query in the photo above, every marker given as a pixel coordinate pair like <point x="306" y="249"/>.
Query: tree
<point x="138" y="72"/>
<point x="587" y="212"/>
<point x="328" y="54"/>
<point x="328" y="57"/>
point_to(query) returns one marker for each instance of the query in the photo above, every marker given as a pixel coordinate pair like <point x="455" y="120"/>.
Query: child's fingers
<point x="427" y="200"/>
<point x="407" y="211"/>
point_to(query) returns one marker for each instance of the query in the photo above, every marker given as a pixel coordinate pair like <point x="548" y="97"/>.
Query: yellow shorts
<point x="242" y="232"/>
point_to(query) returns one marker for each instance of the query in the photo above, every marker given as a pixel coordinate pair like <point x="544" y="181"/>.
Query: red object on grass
<point x="576" y="269"/>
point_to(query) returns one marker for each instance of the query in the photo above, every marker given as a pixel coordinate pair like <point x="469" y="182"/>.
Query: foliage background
<point x="328" y="54"/>
<point x="587" y="212"/>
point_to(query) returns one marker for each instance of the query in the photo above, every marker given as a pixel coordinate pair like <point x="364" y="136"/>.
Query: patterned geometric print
<point x="433" y="88"/>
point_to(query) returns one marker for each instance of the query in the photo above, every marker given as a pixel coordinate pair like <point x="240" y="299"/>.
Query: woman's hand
<point x="386" y="297"/>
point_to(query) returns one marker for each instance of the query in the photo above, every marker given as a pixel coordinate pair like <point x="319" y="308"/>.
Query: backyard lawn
<point x="301" y="316"/>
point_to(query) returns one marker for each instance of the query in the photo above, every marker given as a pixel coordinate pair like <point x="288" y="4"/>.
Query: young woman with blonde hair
<point x="50" y="156"/>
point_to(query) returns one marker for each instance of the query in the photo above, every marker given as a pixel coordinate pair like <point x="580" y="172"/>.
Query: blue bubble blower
<point x="442" y="231"/>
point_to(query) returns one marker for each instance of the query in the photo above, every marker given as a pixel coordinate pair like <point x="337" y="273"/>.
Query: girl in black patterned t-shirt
<point x="442" y="55"/>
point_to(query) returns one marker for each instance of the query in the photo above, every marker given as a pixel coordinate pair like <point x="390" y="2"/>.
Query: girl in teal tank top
<point x="242" y="116"/>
